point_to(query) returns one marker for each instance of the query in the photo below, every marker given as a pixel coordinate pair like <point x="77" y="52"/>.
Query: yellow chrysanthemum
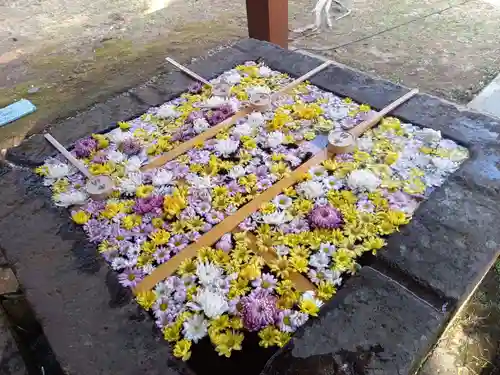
<point x="146" y="299"/>
<point x="182" y="349"/>
<point x="144" y="191"/>
<point x="160" y="237"/>
<point x="80" y="217"/>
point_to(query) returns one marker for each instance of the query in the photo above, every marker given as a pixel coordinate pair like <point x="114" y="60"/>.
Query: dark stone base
<point x="374" y="326"/>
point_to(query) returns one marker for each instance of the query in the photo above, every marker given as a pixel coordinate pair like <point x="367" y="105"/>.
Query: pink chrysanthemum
<point x="258" y="311"/>
<point x="326" y="217"/>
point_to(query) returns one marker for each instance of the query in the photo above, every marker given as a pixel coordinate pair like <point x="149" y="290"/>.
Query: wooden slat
<point x="228" y="224"/>
<point x="301" y="282"/>
<point x="188" y="145"/>
<point x="212" y="132"/>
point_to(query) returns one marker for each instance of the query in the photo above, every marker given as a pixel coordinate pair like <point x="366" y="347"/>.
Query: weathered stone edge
<point x="370" y="311"/>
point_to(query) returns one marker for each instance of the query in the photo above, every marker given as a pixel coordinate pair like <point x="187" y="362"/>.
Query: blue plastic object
<point x="15" y="111"/>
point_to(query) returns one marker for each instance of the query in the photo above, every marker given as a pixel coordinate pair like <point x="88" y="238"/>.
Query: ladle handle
<point x="187" y="71"/>
<point x="365" y="125"/>
<point x="77" y="163"/>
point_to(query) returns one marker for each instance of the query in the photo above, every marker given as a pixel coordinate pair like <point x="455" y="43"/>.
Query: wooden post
<point x="268" y="20"/>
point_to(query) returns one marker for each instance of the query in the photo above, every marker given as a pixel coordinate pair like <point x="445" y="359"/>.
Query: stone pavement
<point x="382" y="322"/>
<point x="488" y="100"/>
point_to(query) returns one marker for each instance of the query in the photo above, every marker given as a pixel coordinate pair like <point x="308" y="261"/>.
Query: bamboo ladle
<point x="97" y="187"/>
<point x="340" y="142"/>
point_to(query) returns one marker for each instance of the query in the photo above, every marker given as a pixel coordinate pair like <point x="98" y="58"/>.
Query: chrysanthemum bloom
<point x="226" y="110"/>
<point x="195" y="115"/>
<point x="149" y="204"/>
<point x="84" y="147"/>
<point x="325" y="217"/>
<point x="195" y="88"/>
<point x="217" y="117"/>
<point x="131" y="146"/>
<point x="258" y="311"/>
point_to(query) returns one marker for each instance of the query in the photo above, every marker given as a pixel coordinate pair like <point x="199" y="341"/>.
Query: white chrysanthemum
<point x="363" y="179"/>
<point x="243" y="129"/>
<point x="130" y="184"/>
<point x="167" y="111"/>
<point x="276" y="218"/>
<point x="311" y="189"/>
<point x="255" y="119"/>
<point x="258" y="90"/>
<point x="162" y="177"/>
<point x="118" y="263"/>
<point x="200" y="125"/>
<point x="199" y="182"/>
<point x="195" y="328"/>
<point x="429" y="135"/>
<point x="67" y="199"/>
<point x="236" y="172"/>
<point x="226" y="146"/>
<point x="365" y="144"/>
<point x="164" y="288"/>
<point x="208" y="273"/>
<point x="293" y="160"/>
<point x="148" y="269"/>
<point x="310" y="296"/>
<point x="264" y="71"/>
<point x="318" y="172"/>
<point x="116" y="156"/>
<point x="57" y="170"/>
<point x="338" y="113"/>
<point x="443" y="165"/>
<point x="133" y="164"/>
<point x="213" y="304"/>
<point x="274" y="139"/>
<point x="319" y="260"/>
<point x="215" y="101"/>
<point x="282" y="201"/>
<point x="233" y="78"/>
<point x="117" y="136"/>
<point x="282" y="250"/>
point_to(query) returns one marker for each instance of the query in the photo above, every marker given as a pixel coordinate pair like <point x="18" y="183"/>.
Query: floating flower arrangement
<point x="341" y="209"/>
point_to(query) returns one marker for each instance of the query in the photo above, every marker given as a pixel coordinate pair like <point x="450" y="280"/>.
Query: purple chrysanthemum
<point x="226" y="110"/>
<point x="150" y="204"/>
<point x="161" y="255"/>
<point x="216" y="117"/>
<point x="99" y="159"/>
<point x="225" y="243"/>
<point x="130" y="277"/>
<point x="195" y="87"/>
<point x="177" y="243"/>
<point x="84" y="147"/>
<point x="195" y="115"/>
<point x="258" y="311"/>
<point x="214" y="217"/>
<point x="193" y="236"/>
<point x="247" y="224"/>
<point x="326" y="217"/>
<point x="266" y="281"/>
<point x="97" y="231"/>
<point x="131" y="146"/>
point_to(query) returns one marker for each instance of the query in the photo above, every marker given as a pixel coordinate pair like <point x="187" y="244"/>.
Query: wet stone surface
<point x="374" y="326"/>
